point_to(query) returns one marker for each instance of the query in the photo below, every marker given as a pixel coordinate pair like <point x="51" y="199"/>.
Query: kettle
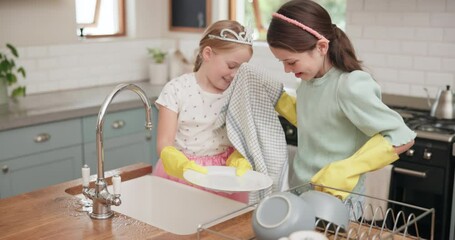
<point x="442" y="107"/>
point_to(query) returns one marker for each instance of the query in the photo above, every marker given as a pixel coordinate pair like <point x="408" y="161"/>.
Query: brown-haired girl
<point x="189" y="105"/>
<point x="344" y="129"/>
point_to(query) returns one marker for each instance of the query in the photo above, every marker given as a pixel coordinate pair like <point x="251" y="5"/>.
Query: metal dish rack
<point x="369" y="219"/>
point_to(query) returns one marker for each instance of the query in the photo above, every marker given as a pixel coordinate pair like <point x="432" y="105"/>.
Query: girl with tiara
<point x="189" y="105"/>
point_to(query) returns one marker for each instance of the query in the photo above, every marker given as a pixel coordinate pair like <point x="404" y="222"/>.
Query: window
<point x="100" y="18"/>
<point x="258" y="13"/>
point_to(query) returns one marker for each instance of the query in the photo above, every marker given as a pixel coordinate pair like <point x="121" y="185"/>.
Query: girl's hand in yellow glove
<point x="376" y="153"/>
<point x="286" y="107"/>
<point x="239" y="162"/>
<point x="175" y="163"/>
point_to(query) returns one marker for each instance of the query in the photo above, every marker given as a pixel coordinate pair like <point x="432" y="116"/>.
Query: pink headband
<point x="301" y="25"/>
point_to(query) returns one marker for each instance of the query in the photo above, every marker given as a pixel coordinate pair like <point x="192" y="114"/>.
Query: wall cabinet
<point x="46" y="154"/>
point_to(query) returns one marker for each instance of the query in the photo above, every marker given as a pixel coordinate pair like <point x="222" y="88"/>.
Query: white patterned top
<point x="197" y="111"/>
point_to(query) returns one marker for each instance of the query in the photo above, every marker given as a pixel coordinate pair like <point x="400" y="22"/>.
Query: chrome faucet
<point x="102" y="199"/>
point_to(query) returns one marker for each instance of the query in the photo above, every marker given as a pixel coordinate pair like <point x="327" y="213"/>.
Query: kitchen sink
<point x="172" y="206"/>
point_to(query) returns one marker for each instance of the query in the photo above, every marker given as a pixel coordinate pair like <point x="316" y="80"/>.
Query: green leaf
<point x="21" y="70"/>
<point x="9" y="71"/>
<point x="12" y="49"/>
<point x="11" y="79"/>
<point x="18" y="92"/>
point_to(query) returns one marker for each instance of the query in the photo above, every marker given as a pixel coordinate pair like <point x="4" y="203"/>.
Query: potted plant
<point x="9" y="73"/>
<point x="158" y="74"/>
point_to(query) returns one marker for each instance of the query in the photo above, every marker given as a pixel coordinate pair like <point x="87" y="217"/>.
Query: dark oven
<point x="424" y="175"/>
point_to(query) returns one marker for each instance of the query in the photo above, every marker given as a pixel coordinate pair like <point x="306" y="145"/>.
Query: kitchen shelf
<point x="370" y="221"/>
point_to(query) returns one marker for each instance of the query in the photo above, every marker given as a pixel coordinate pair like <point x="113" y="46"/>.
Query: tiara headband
<point x="242" y="37"/>
<point x="300" y="25"/>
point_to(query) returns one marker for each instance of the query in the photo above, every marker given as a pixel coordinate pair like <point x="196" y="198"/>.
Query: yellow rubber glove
<point x="376" y="153"/>
<point x="286" y="107"/>
<point x="239" y="162"/>
<point x="175" y="162"/>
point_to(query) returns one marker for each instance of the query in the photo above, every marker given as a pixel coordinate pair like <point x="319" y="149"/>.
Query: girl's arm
<point x="401" y="149"/>
<point x="167" y="128"/>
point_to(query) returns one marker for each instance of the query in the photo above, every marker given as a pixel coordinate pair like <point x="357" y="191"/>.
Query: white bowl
<point x="281" y="214"/>
<point x="306" y="235"/>
<point x="328" y="208"/>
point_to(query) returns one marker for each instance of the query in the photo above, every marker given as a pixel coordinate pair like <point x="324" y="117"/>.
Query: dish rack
<point x="370" y="218"/>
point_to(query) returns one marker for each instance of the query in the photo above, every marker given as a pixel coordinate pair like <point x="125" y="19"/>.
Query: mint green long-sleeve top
<point x="337" y="114"/>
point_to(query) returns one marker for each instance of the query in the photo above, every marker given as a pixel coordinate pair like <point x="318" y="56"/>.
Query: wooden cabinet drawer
<point x="115" y="124"/>
<point x="38" y="138"/>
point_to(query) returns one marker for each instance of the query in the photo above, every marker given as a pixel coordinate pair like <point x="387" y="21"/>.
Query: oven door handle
<point x="408" y="172"/>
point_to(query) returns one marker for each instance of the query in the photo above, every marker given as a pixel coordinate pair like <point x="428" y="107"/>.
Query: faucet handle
<point x="116" y="181"/>
<point x="85" y="175"/>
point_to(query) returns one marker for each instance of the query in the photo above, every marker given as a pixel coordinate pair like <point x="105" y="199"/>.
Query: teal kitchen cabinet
<point x="38" y="156"/>
<point x="125" y="139"/>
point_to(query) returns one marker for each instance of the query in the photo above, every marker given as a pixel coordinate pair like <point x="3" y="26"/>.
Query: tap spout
<point x="102" y="199"/>
<point x="100" y="120"/>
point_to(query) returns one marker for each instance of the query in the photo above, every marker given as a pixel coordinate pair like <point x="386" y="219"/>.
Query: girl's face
<point x="220" y="67"/>
<point x="306" y="65"/>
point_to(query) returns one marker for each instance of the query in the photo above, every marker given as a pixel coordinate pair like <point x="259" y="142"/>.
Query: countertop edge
<point x="58" y="106"/>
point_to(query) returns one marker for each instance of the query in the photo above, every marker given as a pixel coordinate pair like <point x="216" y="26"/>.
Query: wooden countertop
<point x="50" y="213"/>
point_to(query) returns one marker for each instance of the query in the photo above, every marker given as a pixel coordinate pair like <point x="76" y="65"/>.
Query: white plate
<point x="222" y="178"/>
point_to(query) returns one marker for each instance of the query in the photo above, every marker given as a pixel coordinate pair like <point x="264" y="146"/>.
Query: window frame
<point x="121" y="21"/>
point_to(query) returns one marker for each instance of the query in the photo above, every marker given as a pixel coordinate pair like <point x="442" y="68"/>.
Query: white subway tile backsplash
<point x="416" y="19"/>
<point x="354" y="6"/>
<point x="399" y="61"/>
<point x="354" y="31"/>
<point x="439" y="79"/>
<point x="448" y="64"/>
<point x="389" y="19"/>
<point x="417" y="90"/>
<point x="442" y="49"/>
<point x="427" y="63"/>
<point x="414" y="48"/>
<point x="415" y="37"/>
<point x="361" y="18"/>
<point x="395" y="88"/>
<point x="411" y="76"/>
<point x="374" y="5"/>
<point x="387" y="46"/>
<point x="442" y="20"/>
<point x="431" y="6"/>
<point x="374" y="59"/>
<point x="402" y="5"/>
<point x="383" y="74"/>
<point x="429" y="34"/>
<point x="401" y="33"/>
<point x="449" y="35"/>
<point x="375" y="32"/>
<point x="63" y="67"/>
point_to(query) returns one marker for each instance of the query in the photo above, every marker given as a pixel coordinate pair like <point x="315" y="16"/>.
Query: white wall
<point x="406" y="44"/>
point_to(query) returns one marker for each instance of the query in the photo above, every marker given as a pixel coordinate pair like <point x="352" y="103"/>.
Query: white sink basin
<point x="172" y="206"/>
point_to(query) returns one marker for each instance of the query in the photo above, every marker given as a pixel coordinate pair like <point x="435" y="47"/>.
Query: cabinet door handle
<point x="118" y="124"/>
<point x="409" y="172"/>
<point x="42" y="137"/>
<point x="5" y="169"/>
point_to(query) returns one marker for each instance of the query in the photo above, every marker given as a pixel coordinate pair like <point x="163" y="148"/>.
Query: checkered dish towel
<point x="253" y="126"/>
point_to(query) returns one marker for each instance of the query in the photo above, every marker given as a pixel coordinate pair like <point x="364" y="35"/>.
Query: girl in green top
<point x="344" y="129"/>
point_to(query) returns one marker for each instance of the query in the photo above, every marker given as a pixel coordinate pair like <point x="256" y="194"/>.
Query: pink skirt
<point x="217" y="160"/>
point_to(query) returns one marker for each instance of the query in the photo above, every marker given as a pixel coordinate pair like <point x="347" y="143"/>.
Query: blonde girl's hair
<point x="218" y="44"/>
